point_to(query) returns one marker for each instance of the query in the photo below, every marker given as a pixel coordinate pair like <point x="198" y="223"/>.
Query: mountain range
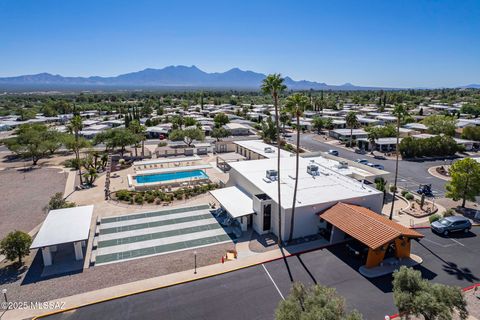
<point x="179" y="77"/>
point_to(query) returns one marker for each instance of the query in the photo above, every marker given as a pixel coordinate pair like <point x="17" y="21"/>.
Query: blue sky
<point x="410" y="43"/>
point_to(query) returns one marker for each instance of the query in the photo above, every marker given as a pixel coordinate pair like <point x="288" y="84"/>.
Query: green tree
<point x="352" y="123"/>
<point x="121" y="138"/>
<point x="274" y="85"/>
<point x="318" y="124"/>
<point x="74" y="127"/>
<point x="220" y="119"/>
<point x="399" y="111"/>
<point x="317" y="302"/>
<point x="58" y="202"/>
<point x="190" y="122"/>
<point x="284" y="118"/>
<point x="219" y="133"/>
<point x="269" y="131"/>
<point x="30" y="142"/>
<point x="414" y="295"/>
<point x="381" y="185"/>
<point x="296" y="105"/>
<point x="440" y="124"/>
<point x="16" y="245"/>
<point x="465" y="182"/>
<point x="187" y="135"/>
<point x="137" y="129"/>
<point x="328" y="123"/>
<point x="372" y="137"/>
<point x="471" y="133"/>
<point x="76" y="145"/>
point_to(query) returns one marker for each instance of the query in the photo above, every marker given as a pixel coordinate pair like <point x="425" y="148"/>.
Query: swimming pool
<point x="161" y="177"/>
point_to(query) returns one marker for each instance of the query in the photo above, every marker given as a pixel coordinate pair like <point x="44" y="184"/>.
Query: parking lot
<point x="253" y="293"/>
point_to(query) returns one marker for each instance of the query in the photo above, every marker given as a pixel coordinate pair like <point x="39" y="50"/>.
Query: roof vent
<point x="268" y="150"/>
<point x="342" y="165"/>
<point x="272" y="175"/>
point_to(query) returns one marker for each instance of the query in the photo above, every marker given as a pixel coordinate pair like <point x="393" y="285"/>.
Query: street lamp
<point x="195" y="261"/>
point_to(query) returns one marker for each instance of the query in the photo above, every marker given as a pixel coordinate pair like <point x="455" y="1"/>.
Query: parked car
<point x="451" y="224"/>
<point x="378" y="166"/>
<point x="425" y="189"/>
<point x="362" y="161"/>
<point x="379" y="157"/>
<point x="360" y="151"/>
<point x="333" y="152"/>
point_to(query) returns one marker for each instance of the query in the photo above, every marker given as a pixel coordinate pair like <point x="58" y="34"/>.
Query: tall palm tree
<point x="273" y="85"/>
<point x="75" y="126"/>
<point x="352" y="122"/>
<point x="372" y="137"/>
<point x="399" y="111"/>
<point x="296" y="105"/>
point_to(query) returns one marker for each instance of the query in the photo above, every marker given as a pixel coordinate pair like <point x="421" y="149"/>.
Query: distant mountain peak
<point x="170" y="76"/>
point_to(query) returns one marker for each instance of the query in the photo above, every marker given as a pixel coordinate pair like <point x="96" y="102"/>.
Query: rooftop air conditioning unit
<point x="272" y="175"/>
<point x="312" y="169"/>
<point x="342" y="165"/>
<point x="268" y="150"/>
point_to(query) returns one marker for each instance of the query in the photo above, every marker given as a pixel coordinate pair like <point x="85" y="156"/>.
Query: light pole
<point x="195" y="261"/>
<point x="4" y="291"/>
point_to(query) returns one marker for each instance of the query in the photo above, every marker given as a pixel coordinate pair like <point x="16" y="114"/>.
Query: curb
<point x="182" y="282"/>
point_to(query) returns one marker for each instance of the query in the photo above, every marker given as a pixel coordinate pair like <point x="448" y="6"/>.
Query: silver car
<point x="451" y="224"/>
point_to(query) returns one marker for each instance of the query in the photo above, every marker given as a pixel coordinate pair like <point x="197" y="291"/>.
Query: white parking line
<point x="439" y="244"/>
<point x="276" y="287"/>
<point x="456" y="241"/>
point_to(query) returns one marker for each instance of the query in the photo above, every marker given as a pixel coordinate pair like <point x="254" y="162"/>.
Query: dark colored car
<point x="451" y="224"/>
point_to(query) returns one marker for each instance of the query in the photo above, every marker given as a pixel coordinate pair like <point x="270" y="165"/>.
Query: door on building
<point x="267" y="217"/>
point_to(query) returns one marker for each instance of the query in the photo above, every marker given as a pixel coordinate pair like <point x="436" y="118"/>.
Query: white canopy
<point x="64" y="226"/>
<point x="232" y="199"/>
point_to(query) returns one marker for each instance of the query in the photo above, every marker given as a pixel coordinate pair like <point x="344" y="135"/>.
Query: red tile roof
<point x="367" y="226"/>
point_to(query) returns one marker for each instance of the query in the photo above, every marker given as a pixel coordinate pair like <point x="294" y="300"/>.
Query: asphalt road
<point x="253" y="293"/>
<point x="411" y="174"/>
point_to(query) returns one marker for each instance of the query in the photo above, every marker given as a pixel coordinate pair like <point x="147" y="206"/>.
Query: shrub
<point x="434" y="217"/>
<point x="448" y="213"/>
<point x="392" y="188"/>
<point x="139" y="199"/>
<point x="404" y="193"/>
<point x="162" y="144"/>
<point x="409" y="196"/>
<point x="123" y="195"/>
<point x="16" y="245"/>
<point x="150" y="198"/>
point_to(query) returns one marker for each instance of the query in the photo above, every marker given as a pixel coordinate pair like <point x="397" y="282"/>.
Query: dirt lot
<point x="24" y="194"/>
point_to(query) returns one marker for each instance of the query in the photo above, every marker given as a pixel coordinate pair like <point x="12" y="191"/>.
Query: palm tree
<point x="296" y="105"/>
<point x="352" y="122"/>
<point x="400" y="112"/>
<point x="75" y="126"/>
<point x="372" y="137"/>
<point x="273" y="85"/>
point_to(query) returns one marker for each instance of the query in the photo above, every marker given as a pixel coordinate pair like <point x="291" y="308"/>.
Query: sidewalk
<point x="166" y="280"/>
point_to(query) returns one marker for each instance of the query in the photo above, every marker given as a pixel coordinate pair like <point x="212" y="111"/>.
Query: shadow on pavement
<point x="452" y="268"/>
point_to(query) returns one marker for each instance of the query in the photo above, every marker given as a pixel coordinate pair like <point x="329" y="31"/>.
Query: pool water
<point x="171" y="176"/>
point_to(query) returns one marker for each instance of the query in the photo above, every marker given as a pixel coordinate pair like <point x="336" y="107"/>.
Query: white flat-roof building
<point x="257" y="149"/>
<point x="316" y="192"/>
<point x="64" y="226"/>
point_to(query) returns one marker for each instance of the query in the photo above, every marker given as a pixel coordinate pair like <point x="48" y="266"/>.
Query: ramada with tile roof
<point x="376" y="231"/>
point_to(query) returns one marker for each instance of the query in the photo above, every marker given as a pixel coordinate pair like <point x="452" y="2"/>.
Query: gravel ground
<point x="25" y="287"/>
<point x="24" y="195"/>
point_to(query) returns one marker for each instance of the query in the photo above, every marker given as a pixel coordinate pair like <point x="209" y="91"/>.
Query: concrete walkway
<point x="166" y="280"/>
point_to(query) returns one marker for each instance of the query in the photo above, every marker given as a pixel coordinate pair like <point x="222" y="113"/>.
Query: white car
<point x="362" y="161"/>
